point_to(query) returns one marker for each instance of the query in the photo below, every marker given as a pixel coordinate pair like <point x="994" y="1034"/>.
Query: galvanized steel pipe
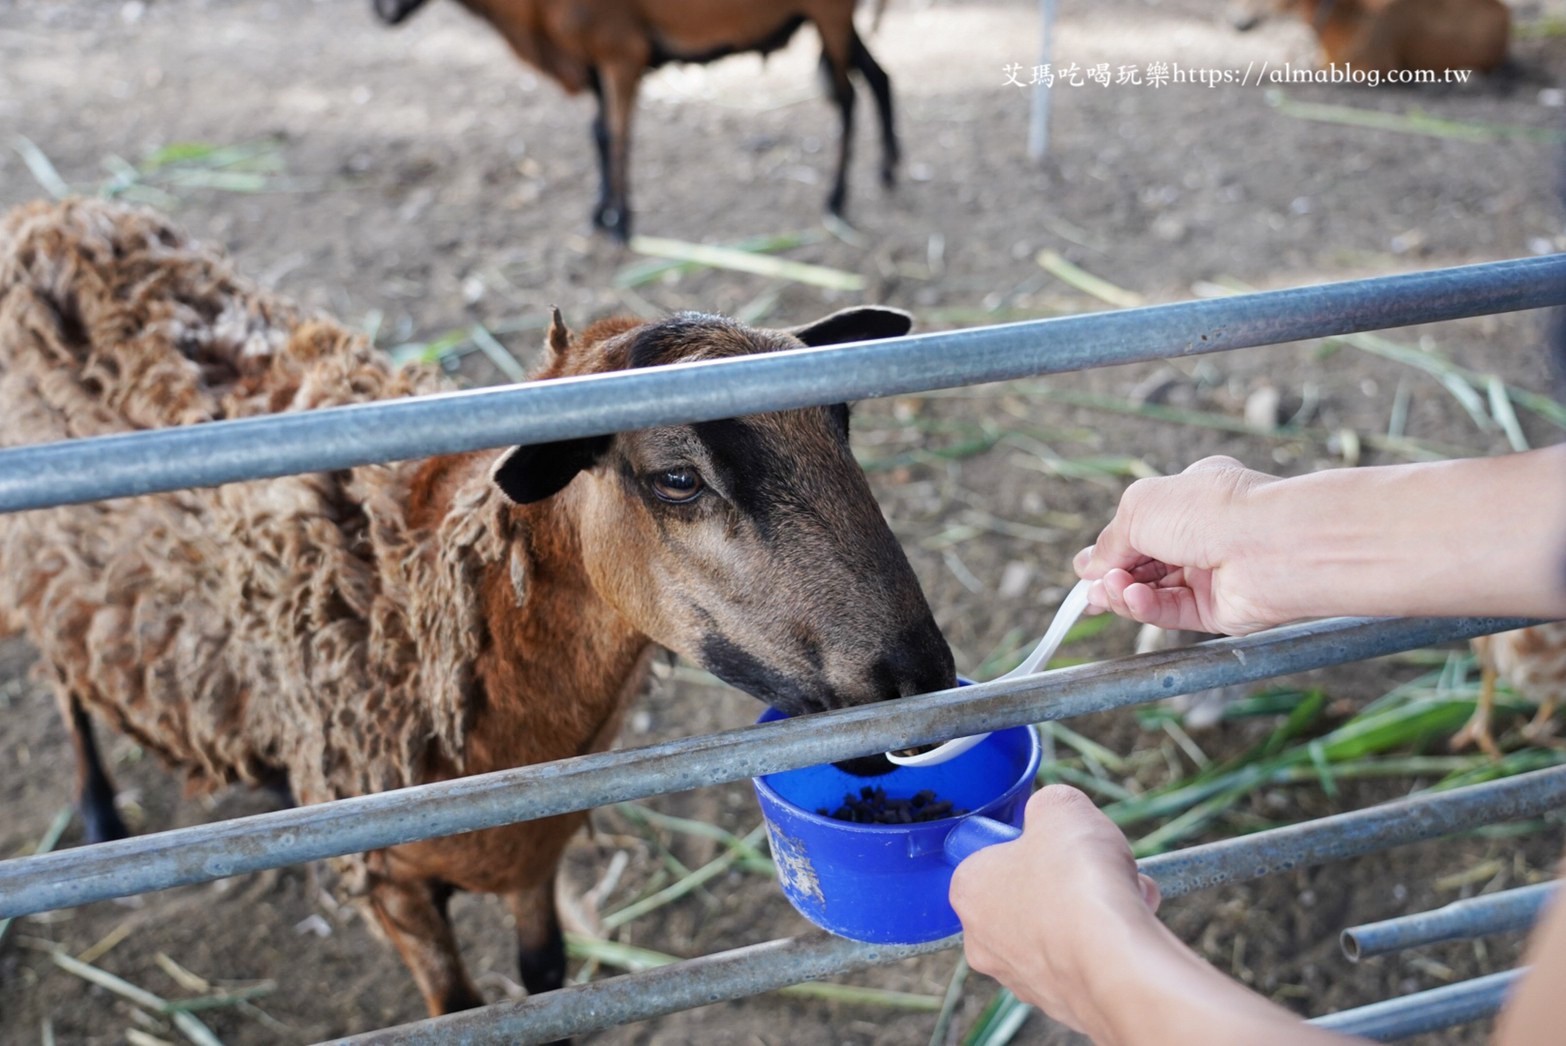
<point x="1355" y="834"/>
<point x="745" y="971"/>
<point x="597" y="1005"/>
<point x="1427" y="1011"/>
<point x="247" y="844"/>
<point x="340" y="437"/>
<point x="1473" y="917"/>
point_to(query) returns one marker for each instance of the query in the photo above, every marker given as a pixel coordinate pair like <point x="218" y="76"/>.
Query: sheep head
<point x="751" y="546"/>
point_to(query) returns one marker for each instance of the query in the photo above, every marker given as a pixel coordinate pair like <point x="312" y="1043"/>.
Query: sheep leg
<point x="94" y="790"/>
<point x="835" y="66"/>
<point x="615" y="85"/>
<point x="541" y="956"/>
<point x="413" y="914"/>
<point x="881" y="88"/>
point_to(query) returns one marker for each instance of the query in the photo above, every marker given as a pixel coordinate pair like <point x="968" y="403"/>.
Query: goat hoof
<point x="614" y="221"/>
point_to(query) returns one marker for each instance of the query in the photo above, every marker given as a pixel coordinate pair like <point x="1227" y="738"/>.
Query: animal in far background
<point x="1395" y="35"/>
<point x="383" y="626"/>
<point x="1533" y="662"/>
<point x="605" y="46"/>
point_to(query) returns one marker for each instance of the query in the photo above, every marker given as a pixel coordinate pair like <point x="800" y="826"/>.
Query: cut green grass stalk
<point x="635" y="960"/>
<point x="1190" y="804"/>
<point x="734" y="260"/>
<point x="1406" y="123"/>
<point x="497" y="353"/>
<point x="221" y="999"/>
<point x="1080" y="279"/>
<point x="188" y="1024"/>
<point x="755" y="859"/>
<point x="1412" y="449"/>
<point x="1543" y="29"/>
<point x="41" y="168"/>
<point x="1089" y="749"/>
<point x="674" y="891"/>
<point x="1462" y="382"/>
<point x="999" y="1021"/>
<point x="949" y="1001"/>
<point x="638" y="273"/>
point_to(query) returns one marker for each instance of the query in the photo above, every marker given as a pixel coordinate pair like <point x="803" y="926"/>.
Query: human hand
<point x="1052" y="912"/>
<point x="1178" y="553"/>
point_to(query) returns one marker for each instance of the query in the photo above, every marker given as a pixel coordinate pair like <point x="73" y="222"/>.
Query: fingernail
<point x="1080" y="561"/>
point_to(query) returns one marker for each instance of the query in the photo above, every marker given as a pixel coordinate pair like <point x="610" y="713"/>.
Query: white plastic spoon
<point x="1070" y="609"/>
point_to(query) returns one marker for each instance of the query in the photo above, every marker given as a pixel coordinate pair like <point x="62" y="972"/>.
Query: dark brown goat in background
<point x="607" y="45"/>
<point x="382" y="626"/>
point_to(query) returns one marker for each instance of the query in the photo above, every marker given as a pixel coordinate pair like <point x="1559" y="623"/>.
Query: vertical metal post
<point x="1038" y="118"/>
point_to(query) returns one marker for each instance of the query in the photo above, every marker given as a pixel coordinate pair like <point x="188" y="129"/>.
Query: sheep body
<point x="202" y="611"/>
<point x="387" y="625"/>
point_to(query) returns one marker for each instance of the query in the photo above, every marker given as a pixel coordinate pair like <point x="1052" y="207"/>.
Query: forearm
<point x="1474" y="536"/>
<point x="1164" y="994"/>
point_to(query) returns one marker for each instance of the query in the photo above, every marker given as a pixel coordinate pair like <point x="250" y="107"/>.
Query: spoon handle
<point x="1070" y="609"/>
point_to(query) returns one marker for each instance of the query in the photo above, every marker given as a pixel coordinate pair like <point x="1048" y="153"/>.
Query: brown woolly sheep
<point x="1393" y="35"/>
<point x="394" y="624"/>
<point x="606" y="46"/>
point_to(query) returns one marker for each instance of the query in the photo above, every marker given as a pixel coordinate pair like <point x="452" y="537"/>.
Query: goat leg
<point x="835" y="68"/>
<point x="414" y="916"/>
<point x="615" y="83"/>
<point x="541" y="957"/>
<point x="94" y="790"/>
<point x="881" y="87"/>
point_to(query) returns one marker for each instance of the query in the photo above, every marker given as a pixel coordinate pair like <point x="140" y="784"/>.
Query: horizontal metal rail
<point x="1474" y="917"/>
<point x="247" y="844"/>
<point x="1427" y="1011"/>
<point x="75" y="471"/>
<point x="745" y="971"/>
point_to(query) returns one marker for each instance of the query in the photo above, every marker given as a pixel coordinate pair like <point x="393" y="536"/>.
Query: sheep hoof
<point x="102" y="824"/>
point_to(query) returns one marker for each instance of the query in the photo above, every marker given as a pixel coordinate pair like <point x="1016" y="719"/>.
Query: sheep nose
<point x="918" y="663"/>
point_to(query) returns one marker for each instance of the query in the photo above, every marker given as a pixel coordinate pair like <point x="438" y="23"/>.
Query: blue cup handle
<point x="973" y="834"/>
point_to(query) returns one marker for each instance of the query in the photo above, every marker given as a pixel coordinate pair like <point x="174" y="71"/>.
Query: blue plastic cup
<point x="888" y="883"/>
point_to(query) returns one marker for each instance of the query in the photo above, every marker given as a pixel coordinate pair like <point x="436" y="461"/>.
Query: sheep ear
<point x="864" y="323"/>
<point x="542" y="470"/>
<point x="559" y="338"/>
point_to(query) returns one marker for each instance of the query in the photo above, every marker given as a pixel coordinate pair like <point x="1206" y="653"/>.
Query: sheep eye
<point x="678" y="486"/>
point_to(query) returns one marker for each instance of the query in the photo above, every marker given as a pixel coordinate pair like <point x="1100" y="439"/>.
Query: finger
<point x="1152" y="896"/>
<point x="1173" y="608"/>
<point x="1215" y="463"/>
<point x="1052" y="803"/>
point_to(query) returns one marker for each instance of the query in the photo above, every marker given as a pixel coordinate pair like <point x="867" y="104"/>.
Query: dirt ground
<point x="425" y="181"/>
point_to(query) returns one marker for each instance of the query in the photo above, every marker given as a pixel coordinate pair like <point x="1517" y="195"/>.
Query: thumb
<point x="1151" y="894"/>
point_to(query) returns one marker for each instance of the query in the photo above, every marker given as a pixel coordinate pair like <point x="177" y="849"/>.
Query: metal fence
<point x="220" y="452"/>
